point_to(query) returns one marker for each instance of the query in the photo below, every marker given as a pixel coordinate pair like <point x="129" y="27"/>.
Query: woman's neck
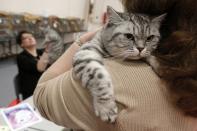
<point x="32" y="51"/>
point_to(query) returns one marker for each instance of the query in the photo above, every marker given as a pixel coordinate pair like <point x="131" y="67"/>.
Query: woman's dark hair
<point x="150" y="7"/>
<point x="19" y="36"/>
<point x="177" y="51"/>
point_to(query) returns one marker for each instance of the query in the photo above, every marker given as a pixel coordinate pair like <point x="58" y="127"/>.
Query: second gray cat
<point x="125" y="36"/>
<point x="54" y="42"/>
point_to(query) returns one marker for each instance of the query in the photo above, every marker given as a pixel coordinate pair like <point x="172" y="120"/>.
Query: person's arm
<point x="49" y="90"/>
<point x="43" y="62"/>
<point x="64" y="63"/>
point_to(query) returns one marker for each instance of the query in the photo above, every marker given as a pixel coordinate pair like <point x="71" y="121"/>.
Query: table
<point x="44" y="125"/>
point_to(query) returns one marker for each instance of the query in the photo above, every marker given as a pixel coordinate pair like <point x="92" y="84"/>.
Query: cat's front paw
<point x="107" y="110"/>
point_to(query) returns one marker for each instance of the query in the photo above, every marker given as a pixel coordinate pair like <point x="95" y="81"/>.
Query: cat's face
<point x="50" y="35"/>
<point x="131" y="36"/>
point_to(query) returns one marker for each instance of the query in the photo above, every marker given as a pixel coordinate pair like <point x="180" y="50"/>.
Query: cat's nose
<point x="140" y="49"/>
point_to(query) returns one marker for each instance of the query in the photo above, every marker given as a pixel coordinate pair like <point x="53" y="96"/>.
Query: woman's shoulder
<point x="112" y="64"/>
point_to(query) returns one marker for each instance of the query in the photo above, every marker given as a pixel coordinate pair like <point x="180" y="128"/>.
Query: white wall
<point x="61" y="8"/>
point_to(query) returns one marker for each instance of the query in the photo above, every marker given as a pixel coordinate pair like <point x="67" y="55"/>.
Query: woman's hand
<point x="87" y="37"/>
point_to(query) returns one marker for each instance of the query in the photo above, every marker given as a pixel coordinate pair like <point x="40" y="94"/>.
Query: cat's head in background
<point x="51" y="36"/>
<point x="53" y="44"/>
<point x="130" y="35"/>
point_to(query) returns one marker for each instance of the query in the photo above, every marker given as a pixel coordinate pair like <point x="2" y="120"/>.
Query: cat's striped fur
<point x="125" y="36"/>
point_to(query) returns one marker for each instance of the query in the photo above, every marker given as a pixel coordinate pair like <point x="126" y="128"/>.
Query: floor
<point x="8" y="70"/>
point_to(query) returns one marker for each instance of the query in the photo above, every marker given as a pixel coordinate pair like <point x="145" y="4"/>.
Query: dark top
<point x="28" y="74"/>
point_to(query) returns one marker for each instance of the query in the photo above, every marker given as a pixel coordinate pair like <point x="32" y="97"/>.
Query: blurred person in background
<point x="31" y="63"/>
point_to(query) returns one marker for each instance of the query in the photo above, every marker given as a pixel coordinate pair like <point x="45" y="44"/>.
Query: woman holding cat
<point x="143" y="99"/>
<point x="31" y="63"/>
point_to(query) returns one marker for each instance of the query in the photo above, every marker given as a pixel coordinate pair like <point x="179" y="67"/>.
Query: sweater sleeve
<point x="59" y="98"/>
<point x="48" y="98"/>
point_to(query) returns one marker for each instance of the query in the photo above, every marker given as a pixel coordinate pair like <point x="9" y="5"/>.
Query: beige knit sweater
<point x="143" y="100"/>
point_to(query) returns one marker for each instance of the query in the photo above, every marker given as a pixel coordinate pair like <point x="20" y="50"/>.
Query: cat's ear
<point x="113" y="16"/>
<point x="44" y="29"/>
<point x="158" y="20"/>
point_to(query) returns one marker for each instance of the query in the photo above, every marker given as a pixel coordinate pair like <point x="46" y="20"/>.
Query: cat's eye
<point x="129" y="36"/>
<point x="150" y="38"/>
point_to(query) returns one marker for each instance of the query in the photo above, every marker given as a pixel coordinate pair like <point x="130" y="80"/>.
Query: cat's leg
<point x="102" y="91"/>
<point x="153" y="62"/>
<point x="89" y="69"/>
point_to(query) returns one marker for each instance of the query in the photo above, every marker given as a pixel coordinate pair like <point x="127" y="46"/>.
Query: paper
<point x="20" y="116"/>
<point x="4" y="128"/>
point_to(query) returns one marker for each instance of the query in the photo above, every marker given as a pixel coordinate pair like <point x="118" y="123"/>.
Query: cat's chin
<point x="133" y="58"/>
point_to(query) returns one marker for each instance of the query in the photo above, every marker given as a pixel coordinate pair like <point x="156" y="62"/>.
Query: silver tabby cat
<point x="54" y="42"/>
<point x="125" y="36"/>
